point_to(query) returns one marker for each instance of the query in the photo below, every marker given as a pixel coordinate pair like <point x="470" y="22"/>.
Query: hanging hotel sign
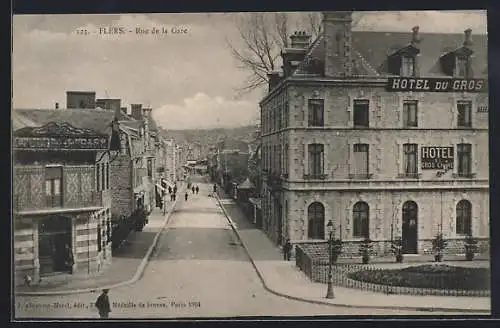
<point x="436" y="158"/>
<point x="62" y="142"/>
<point x="436" y="85"/>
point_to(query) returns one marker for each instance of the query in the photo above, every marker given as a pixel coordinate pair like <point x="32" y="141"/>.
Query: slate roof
<point x="371" y="49"/>
<point x="97" y="120"/>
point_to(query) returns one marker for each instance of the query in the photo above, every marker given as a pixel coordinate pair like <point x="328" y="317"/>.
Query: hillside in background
<point x="210" y="137"/>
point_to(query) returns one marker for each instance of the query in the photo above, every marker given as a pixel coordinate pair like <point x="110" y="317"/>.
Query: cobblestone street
<point x="199" y="269"/>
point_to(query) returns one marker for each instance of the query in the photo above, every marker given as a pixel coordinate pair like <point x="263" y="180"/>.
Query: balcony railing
<point x="360" y="176"/>
<point x="321" y="176"/>
<point x="93" y="199"/>
<point x="410" y="175"/>
<point x="464" y="175"/>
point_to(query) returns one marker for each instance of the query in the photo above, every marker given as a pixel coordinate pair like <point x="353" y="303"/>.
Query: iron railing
<point x="362" y="276"/>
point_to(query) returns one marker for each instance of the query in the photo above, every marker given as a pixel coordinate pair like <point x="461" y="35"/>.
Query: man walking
<point x="287" y="248"/>
<point x="186" y="196"/>
<point x="102" y="304"/>
<point x="197" y="189"/>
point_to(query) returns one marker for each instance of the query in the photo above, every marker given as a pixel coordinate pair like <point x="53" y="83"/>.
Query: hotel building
<point x="385" y="134"/>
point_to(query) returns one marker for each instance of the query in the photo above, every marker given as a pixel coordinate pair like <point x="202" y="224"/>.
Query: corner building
<point x="385" y="134"/>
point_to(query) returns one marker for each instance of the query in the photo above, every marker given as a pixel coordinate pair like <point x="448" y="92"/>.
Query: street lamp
<point x="329" y="227"/>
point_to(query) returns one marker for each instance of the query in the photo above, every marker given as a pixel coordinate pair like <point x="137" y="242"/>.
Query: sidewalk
<point x="285" y="279"/>
<point x="127" y="264"/>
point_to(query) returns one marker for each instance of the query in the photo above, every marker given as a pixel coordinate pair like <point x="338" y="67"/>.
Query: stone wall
<point x="121" y="186"/>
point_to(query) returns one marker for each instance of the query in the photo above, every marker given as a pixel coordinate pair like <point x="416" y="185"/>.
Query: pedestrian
<point x="186" y="196"/>
<point x="102" y="304"/>
<point x="169" y="189"/>
<point x="193" y="189"/>
<point x="287" y="248"/>
<point x="197" y="189"/>
<point x="69" y="262"/>
<point x="175" y="189"/>
<point x="215" y="188"/>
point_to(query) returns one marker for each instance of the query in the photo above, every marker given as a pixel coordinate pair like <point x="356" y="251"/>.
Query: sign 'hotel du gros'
<point x="436" y="84"/>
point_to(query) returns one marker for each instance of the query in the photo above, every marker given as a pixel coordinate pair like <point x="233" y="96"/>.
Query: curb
<point x="296" y="298"/>
<point x="134" y="279"/>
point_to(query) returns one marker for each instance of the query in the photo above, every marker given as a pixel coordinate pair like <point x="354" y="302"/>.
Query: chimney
<point x="300" y="39"/>
<point x="57" y="105"/>
<point x="337" y="29"/>
<point x="415" y="39"/>
<point x="468" y="38"/>
<point x="136" y="111"/>
<point x="274" y="79"/>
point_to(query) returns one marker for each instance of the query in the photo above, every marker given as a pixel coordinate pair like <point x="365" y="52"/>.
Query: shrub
<point x="428" y="276"/>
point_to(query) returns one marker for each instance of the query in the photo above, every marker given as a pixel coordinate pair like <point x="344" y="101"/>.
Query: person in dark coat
<point x="102" y="304"/>
<point x="169" y="189"/>
<point x="186" y="196"/>
<point x="215" y="188"/>
<point x="175" y="189"/>
<point x="197" y="189"/>
<point x="193" y="189"/>
<point x="287" y="248"/>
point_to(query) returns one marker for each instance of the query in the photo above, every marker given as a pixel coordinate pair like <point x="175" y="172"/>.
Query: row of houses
<point x="82" y="176"/>
<point x="384" y="134"/>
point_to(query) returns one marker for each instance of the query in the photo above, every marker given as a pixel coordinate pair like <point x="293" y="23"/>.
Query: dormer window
<point x="407" y="66"/>
<point x="462" y="63"/>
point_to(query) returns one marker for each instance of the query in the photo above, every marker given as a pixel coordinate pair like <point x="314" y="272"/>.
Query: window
<point x="103" y="178"/>
<point x="150" y="168"/>
<point x="462" y="66"/>
<point x="99" y="239"/>
<point x="360" y="220"/>
<point x="316" y="108"/>
<point x="464" y="218"/>
<point x="316" y="154"/>
<point x="361" y="108"/>
<point x="280" y="117"/>
<point x="410" y="113"/>
<point x="98" y="176"/>
<point x="286" y="113"/>
<point x="316" y="221"/>
<point x="53" y="188"/>
<point x="464" y="109"/>
<point x="464" y="160"/>
<point x="410" y="159"/>
<point x="107" y="175"/>
<point x="360" y="161"/>
<point x="408" y="66"/>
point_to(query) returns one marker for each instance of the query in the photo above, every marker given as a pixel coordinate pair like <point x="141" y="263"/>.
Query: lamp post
<point x="329" y="227"/>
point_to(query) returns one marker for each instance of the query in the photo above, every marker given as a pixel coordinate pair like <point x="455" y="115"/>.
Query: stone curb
<point x="135" y="278"/>
<point x="302" y="299"/>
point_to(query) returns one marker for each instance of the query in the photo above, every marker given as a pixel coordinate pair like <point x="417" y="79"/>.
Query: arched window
<point x="361" y="220"/>
<point x="464" y="218"/>
<point x="410" y="211"/>
<point x="316" y="221"/>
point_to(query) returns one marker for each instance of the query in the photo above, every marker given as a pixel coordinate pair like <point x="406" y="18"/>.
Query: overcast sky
<point x="188" y="80"/>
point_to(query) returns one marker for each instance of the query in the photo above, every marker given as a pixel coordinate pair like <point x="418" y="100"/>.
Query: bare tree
<point x="263" y="36"/>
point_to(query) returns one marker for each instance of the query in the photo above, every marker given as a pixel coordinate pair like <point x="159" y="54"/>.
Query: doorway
<point x="54" y="234"/>
<point x="410" y="228"/>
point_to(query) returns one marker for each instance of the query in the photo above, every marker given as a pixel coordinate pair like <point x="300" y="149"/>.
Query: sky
<point x="188" y="79"/>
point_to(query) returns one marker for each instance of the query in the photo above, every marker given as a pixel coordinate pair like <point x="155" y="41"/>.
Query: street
<point x="199" y="269"/>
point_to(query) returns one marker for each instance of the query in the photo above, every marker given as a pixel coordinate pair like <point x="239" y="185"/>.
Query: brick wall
<point x="121" y="186"/>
